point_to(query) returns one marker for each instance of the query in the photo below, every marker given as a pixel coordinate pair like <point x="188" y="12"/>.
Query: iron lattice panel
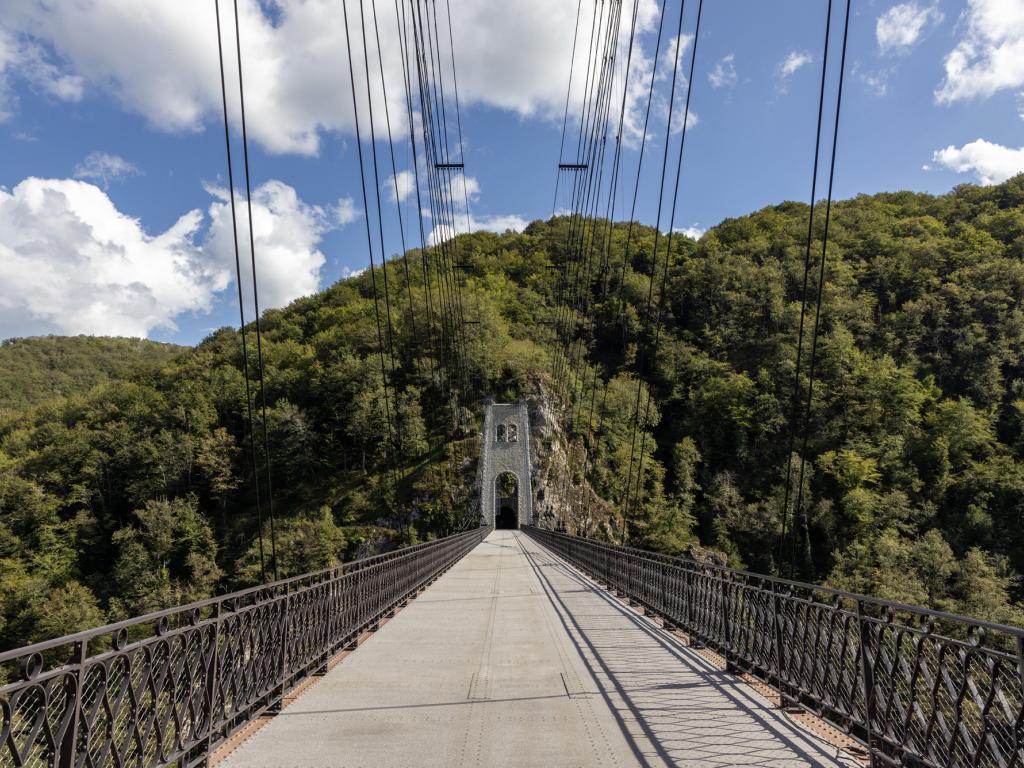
<point x="166" y="688"/>
<point x="916" y="687"/>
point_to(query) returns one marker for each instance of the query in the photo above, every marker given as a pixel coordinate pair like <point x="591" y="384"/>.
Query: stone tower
<point x="506" y="450"/>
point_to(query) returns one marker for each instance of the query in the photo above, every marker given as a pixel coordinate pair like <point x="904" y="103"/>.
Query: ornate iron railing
<point x="167" y="687"/>
<point x="915" y="687"/>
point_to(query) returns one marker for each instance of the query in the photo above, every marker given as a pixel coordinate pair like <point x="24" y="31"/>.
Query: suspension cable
<point x="610" y="215"/>
<point x="565" y="116"/>
<point x="369" y="246"/>
<point x="425" y="262"/>
<point x="256" y="303"/>
<point x="587" y="193"/>
<point x="394" y="167"/>
<point x="668" y="253"/>
<point x="389" y="324"/>
<point x="797" y="388"/>
<point x="241" y="304"/>
<point x="821" y="280"/>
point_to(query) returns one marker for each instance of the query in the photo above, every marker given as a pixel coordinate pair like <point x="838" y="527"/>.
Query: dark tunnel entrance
<point x="506" y="501"/>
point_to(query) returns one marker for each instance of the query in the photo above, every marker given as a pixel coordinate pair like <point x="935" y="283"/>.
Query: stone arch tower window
<point x="513" y="433"/>
<point x="501" y="433"/>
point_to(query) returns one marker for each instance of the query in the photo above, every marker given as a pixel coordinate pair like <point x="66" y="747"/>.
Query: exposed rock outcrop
<point x="563" y="499"/>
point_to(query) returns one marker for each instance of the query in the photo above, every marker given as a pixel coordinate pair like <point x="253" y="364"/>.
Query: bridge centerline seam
<point x="559" y="644"/>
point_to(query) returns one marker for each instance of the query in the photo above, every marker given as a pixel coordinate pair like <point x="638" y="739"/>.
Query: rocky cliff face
<point x="563" y="499"/>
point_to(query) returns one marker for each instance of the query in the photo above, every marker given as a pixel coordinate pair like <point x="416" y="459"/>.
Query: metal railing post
<point x="777" y="630"/>
<point x="284" y="635"/>
<point x="69" y="745"/>
<point x="867" y="676"/>
<point x="688" y="611"/>
<point x="724" y="608"/>
<point x="212" y="681"/>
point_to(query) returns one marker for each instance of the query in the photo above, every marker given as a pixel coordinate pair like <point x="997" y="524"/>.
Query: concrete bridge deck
<point x="513" y="658"/>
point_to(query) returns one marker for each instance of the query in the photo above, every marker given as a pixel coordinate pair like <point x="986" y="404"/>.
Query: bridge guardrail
<point x="916" y="687"/>
<point x="168" y="687"/>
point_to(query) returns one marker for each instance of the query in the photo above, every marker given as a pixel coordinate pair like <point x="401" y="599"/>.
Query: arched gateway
<point x="506" y="496"/>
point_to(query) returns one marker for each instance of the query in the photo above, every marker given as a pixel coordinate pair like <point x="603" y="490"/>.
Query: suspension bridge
<point x="509" y="643"/>
<point x="520" y="646"/>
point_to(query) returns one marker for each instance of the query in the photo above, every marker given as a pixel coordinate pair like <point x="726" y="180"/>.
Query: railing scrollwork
<point x="168" y="687"/>
<point x="916" y="687"/>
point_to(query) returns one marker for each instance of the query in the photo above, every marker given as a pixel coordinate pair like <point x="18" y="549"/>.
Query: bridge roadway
<point x="513" y="658"/>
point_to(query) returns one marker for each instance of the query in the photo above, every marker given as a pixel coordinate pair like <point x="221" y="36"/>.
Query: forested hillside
<point x="33" y="371"/>
<point x="138" y="493"/>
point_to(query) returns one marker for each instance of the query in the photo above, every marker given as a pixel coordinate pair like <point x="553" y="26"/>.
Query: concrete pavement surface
<point x="513" y="658"/>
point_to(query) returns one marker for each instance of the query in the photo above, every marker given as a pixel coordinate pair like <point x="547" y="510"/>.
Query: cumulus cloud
<point x="499" y="223"/>
<point x="990" y="56"/>
<point x="990" y="163"/>
<point x="347" y="272"/>
<point x="511" y="56"/>
<point x="471" y="187"/>
<point x="902" y="26"/>
<point x="71" y="262"/>
<point x="286" y="232"/>
<point x="724" y="73"/>
<point x="694" y="232"/>
<point x="346" y="212"/>
<point x="403" y="184"/>
<point x="104" y="167"/>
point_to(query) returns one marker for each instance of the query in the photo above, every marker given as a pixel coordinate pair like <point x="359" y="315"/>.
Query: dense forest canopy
<point x="35" y="371"/>
<point x="125" y="484"/>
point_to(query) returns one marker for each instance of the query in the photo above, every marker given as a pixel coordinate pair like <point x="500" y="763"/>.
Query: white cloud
<point x="346" y="211"/>
<point x="636" y="98"/>
<point x="404" y="183"/>
<point x="660" y="99"/>
<point x="877" y="83"/>
<point x="287" y="232"/>
<point x="71" y="262"/>
<point x="471" y="187"/>
<point x="500" y="223"/>
<point x="724" y="73"/>
<point x="677" y="118"/>
<point x="104" y="167"/>
<point x="901" y="27"/>
<point x="668" y="57"/>
<point x="347" y="272"/>
<point x="794" y="60"/>
<point x="694" y="232"/>
<point x="25" y="60"/>
<point x="990" y="56"/>
<point x="990" y="163"/>
<point x="8" y="56"/>
<point x="159" y="60"/>
<point x="515" y="55"/>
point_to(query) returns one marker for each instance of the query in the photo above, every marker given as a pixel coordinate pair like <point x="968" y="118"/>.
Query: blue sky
<point x="112" y="207"/>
